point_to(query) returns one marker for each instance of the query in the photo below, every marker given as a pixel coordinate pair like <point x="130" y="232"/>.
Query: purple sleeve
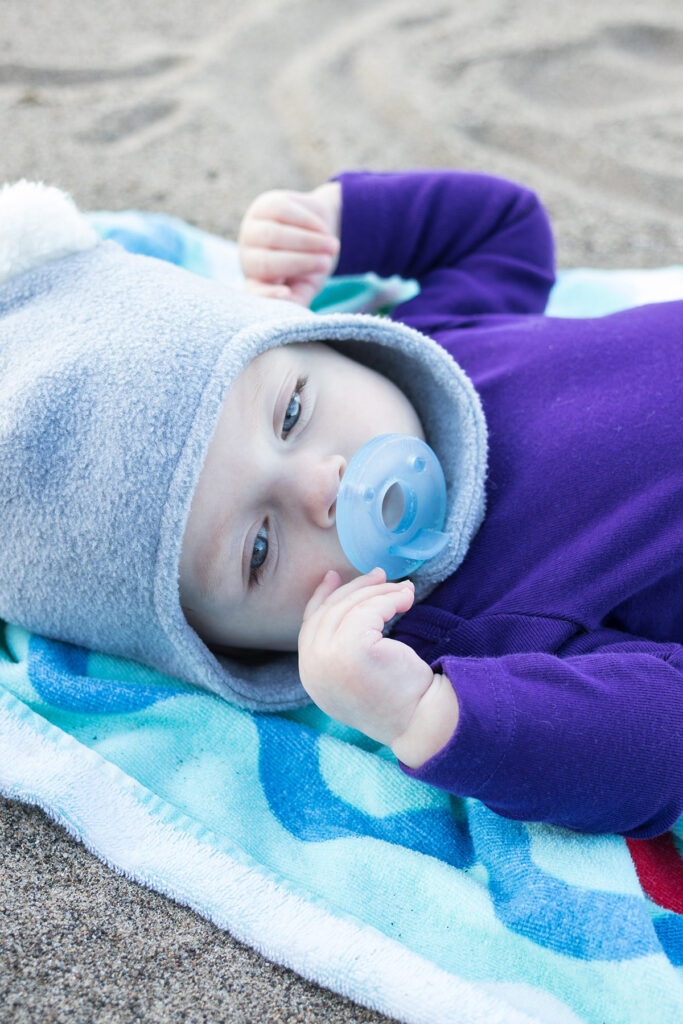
<point x="476" y="244"/>
<point x="592" y="742"/>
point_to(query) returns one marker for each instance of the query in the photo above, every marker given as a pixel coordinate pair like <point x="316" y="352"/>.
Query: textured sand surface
<point x="193" y="108"/>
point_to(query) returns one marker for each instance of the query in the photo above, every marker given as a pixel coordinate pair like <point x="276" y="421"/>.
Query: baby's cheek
<point x="310" y="579"/>
<point x="312" y="566"/>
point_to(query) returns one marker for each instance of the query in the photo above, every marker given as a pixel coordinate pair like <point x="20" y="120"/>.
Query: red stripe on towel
<point x="659" y="867"/>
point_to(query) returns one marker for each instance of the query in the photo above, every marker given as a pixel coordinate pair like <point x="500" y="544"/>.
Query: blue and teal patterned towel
<point x="304" y="840"/>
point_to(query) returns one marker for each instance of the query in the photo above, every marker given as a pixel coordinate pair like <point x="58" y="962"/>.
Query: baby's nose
<point x="318" y="489"/>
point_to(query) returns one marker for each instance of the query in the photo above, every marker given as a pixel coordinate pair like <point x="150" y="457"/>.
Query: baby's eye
<point x="292" y="414"/>
<point x="259" y="554"/>
<point x="293" y="411"/>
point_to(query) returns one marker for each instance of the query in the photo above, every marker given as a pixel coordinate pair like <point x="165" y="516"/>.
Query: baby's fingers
<point x="369" y="614"/>
<point x="297" y="209"/>
<point x="331" y="582"/>
<point x="270" y="234"/>
<point x="331" y="606"/>
<point x="269" y="291"/>
<point x="275" y="266"/>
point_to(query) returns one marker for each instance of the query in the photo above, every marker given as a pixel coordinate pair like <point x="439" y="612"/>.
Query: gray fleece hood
<point x="113" y="371"/>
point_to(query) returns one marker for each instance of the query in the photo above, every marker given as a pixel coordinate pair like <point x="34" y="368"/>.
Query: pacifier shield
<point x="391" y="505"/>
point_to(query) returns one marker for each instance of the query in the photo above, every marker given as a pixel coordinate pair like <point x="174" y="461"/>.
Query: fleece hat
<point x="113" y="371"/>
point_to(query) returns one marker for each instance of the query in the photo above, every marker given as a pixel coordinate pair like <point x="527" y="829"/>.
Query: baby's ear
<point x="38" y="223"/>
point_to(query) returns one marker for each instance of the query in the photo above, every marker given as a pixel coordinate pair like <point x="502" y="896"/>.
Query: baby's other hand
<point x="289" y="242"/>
<point x="353" y="672"/>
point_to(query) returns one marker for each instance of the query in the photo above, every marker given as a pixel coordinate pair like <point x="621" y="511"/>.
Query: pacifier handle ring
<point x="409" y="510"/>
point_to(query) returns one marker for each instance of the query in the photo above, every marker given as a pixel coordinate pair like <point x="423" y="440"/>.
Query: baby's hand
<point x="289" y="242"/>
<point x="353" y="672"/>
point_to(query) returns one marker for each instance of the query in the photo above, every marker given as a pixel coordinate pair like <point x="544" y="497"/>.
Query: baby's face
<point x="261" y="532"/>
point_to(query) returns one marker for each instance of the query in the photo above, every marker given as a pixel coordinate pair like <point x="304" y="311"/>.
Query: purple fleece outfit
<point x="561" y="632"/>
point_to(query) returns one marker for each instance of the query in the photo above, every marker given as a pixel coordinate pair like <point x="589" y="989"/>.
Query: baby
<point x="249" y="578"/>
<point x="180" y="452"/>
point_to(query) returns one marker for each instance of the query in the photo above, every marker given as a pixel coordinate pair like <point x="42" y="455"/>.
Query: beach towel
<point x="304" y="840"/>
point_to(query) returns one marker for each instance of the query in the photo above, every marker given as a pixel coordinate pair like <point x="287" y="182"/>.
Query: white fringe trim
<point x="119" y="821"/>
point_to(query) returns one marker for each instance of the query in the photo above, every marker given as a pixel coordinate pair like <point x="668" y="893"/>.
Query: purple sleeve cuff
<point x="484" y="732"/>
<point x="592" y="742"/>
<point x="365" y="219"/>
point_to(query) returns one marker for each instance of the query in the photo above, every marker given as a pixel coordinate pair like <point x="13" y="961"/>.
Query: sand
<point x="193" y="108"/>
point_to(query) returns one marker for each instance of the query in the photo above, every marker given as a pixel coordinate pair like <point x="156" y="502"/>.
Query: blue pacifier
<point x="391" y="506"/>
